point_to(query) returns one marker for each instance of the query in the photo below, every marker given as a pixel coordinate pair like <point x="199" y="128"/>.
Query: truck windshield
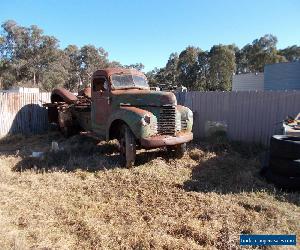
<point x="125" y="81"/>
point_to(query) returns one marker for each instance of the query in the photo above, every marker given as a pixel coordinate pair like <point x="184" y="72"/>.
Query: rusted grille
<point x="166" y="120"/>
<point x="183" y="124"/>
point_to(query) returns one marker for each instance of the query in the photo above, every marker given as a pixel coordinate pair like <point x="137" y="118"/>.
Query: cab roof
<point x="110" y="71"/>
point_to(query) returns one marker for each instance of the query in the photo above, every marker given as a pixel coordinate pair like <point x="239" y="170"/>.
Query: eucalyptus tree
<point x="221" y="67"/>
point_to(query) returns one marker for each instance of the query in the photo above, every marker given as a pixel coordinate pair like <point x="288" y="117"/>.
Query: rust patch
<point x="62" y="95"/>
<point x="165" y="140"/>
<point x="110" y="71"/>
<point x="86" y="92"/>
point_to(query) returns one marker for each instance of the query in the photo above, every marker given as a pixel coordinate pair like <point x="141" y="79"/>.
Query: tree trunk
<point x="34" y="80"/>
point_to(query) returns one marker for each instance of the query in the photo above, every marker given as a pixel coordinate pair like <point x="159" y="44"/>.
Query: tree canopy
<point x="28" y="57"/>
<point x="213" y="70"/>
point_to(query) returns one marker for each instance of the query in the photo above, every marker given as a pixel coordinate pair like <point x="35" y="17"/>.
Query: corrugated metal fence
<point x="250" y="116"/>
<point x="23" y="113"/>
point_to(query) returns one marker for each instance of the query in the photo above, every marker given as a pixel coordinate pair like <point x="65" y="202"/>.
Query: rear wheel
<point x="65" y="123"/>
<point x="127" y="146"/>
<point x="177" y="150"/>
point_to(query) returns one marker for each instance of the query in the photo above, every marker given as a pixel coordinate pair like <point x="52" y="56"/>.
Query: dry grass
<point x="80" y="198"/>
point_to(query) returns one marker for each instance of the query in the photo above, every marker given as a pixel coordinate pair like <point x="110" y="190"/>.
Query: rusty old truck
<point x="120" y="105"/>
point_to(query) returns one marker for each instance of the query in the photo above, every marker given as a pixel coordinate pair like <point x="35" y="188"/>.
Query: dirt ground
<point x="80" y="198"/>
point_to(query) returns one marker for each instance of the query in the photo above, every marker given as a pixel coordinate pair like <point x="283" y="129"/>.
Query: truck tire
<point x="66" y="124"/>
<point x="283" y="146"/>
<point x="177" y="150"/>
<point x="290" y="183"/>
<point x="285" y="167"/>
<point x="127" y="146"/>
<point x="68" y="131"/>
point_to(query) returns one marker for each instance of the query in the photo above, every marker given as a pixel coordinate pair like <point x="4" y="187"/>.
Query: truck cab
<point x="124" y="108"/>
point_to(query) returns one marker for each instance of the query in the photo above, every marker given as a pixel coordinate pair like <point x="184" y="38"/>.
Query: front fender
<point x="132" y="116"/>
<point x="184" y="116"/>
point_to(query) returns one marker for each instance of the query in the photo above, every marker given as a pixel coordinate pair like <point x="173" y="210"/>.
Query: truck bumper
<point x="166" y="140"/>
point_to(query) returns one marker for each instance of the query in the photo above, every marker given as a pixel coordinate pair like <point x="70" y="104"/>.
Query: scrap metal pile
<point x="61" y="96"/>
<point x="65" y="107"/>
<point x="291" y="126"/>
<point x="61" y="99"/>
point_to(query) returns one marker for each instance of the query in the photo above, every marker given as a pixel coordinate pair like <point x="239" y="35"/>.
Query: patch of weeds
<point x="196" y="154"/>
<point x="11" y="139"/>
<point x="247" y="150"/>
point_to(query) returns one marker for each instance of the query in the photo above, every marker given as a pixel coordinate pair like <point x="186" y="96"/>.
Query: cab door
<point x="100" y="105"/>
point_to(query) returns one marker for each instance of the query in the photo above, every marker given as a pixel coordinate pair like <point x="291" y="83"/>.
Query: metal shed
<point x="282" y="76"/>
<point x="249" y="81"/>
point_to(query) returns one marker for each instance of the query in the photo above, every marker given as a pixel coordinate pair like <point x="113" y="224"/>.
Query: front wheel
<point x="177" y="150"/>
<point x="127" y="146"/>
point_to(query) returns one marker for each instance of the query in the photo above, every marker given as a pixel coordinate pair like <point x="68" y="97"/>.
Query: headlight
<point x="190" y="115"/>
<point x="145" y="120"/>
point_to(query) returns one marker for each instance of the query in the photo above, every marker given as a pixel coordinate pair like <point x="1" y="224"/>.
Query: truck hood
<point x="135" y="97"/>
